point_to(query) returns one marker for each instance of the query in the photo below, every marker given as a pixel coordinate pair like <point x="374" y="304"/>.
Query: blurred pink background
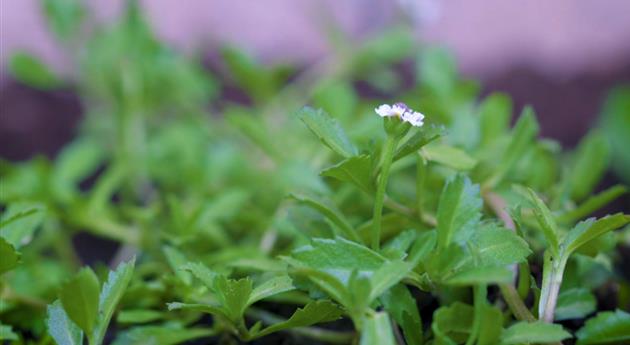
<point x="561" y="56"/>
<point x="559" y="37"/>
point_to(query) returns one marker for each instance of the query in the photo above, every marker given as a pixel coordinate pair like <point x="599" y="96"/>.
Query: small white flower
<point x="401" y="111"/>
<point x="385" y="110"/>
<point x="414" y="118"/>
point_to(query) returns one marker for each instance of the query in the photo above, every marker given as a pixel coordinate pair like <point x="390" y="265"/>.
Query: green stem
<point x="421" y="173"/>
<point x="480" y="295"/>
<point x="388" y="154"/>
<point x="243" y="332"/>
<point x="523" y="280"/>
<point x="398" y="207"/>
<point x="515" y="303"/>
<point x="9" y="295"/>
<point x="553" y="271"/>
<point x="508" y="291"/>
<point x="427" y="218"/>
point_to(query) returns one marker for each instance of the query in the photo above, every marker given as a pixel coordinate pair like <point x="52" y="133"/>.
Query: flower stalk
<point x="388" y="154"/>
<point x="397" y="120"/>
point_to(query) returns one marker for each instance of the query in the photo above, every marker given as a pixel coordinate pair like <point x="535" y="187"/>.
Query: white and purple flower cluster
<point x="403" y="112"/>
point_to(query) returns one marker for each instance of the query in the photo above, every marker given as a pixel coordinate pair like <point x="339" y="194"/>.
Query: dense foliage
<point x="253" y="220"/>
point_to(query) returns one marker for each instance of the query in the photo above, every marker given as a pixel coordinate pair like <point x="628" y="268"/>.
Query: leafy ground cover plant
<point x="417" y="216"/>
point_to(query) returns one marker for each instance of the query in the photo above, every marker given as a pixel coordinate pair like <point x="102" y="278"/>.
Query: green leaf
<point x="80" y="299"/>
<point x="491" y="325"/>
<point x="383" y="79"/>
<point x="615" y="123"/>
<point x="437" y="70"/>
<point x="328" y="210"/>
<point x="480" y="275"/>
<point x="177" y="260"/>
<point x="459" y="210"/>
<point x="425" y="243"/>
<point x="449" y="156"/>
<point x="398" y="247"/>
<point x="523" y="134"/>
<point x="250" y="75"/>
<point x="494" y="245"/>
<point x="390" y="274"/>
<point x="574" y="304"/>
<point x="591" y="229"/>
<point x="452" y="325"/>
<point x="64" y="16"/>
<point x="161" y="335"/>
<point x="533" y="333"/>
<point x="6" y="333"/>
<point x="359" y="299"/>
<point x="312" y="313"/>
<point x="10" y="256"/>
<point x="388" y="46"/>
<point x="334" y="279"/>
<point x="19" y="222"/>
<point x="204" y="308"/>
<point x="356" y="170"/>
<point x="606" y="328"/>
<point x="254" y="128"/>
<point x="233" y="296"/>
<point x="377" y="330"/>
<point x="494" y="117"/>
<point x="338" y="257"/>
<point x="271" y="287"/>
<point x="546" y="222"/>
<point x="401" y="305"/>
<point x="202" y="273"/>
<point x="75" y="163"/>
<point x="32" y="72"/>
<point x="591" y="161"/>
<point x="328" y="283"/>
<point x="419" y="139"/>
<point x="61" y="328"/>
<point x="489" y="251"/>
<point x="337" y="97"/>
<point x="111" y="293"/>
<point x="328" y="130"/>
<point x="593" y="203"/>
<point x="135" y="316"/>
<point x="603" y="244"/>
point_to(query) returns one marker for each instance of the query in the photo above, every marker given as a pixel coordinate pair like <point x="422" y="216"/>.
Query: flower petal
<point x="399" y="109"/>
<point x="414" y="118"/>
<point x="384" y="110"/>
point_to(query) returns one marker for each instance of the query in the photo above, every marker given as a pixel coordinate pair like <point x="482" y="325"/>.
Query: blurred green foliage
<point x="271" y="217"/>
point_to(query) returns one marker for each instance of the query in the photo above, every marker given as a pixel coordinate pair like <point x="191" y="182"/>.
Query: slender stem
<point x="427" y="218"/>
<point x="523" y="280"/>
<point x="388" y="153"/>
<point x="499" y="206"/>
<point x="421" y="173"/>
<point x="480" y="295"/>
<point x="515" y="303"/>
<point x="508" y="291"/>
<point x="398" y="207"/>
<point x="10" y="295"/>
<point x="551" y="287"/>
<point x="243" y="332"/>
